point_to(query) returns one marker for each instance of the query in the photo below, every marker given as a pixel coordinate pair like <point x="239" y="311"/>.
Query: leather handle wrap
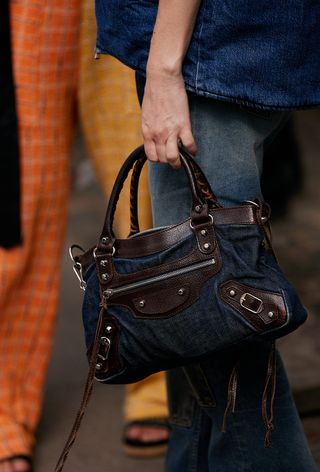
<point x="202" y="183"/>
<point x="199" y="208"/>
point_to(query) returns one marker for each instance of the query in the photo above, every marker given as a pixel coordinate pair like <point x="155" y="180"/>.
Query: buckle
<point x="248" y="302"/>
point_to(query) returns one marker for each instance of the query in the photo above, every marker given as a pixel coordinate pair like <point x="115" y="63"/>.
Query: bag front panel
<point x="204" y="322"/>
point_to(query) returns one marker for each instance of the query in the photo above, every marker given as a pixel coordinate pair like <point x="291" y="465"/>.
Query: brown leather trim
<point x="160" y="299"/>
<point x="147" y="244"/>
<point x="110" y="329"/>
<point x="263" y="309"/>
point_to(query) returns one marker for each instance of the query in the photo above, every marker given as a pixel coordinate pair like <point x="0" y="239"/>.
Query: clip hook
<point x="77" y="267"/>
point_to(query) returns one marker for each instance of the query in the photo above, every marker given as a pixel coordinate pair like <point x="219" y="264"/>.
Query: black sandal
<point x="145" y="449"/>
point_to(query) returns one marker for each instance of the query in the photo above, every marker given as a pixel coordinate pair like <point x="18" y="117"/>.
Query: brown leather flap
<point x="258" y="306"/>
<point x="162" y="301"/>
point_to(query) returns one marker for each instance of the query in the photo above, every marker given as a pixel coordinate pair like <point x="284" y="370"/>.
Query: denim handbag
<point x="171" y="296"/>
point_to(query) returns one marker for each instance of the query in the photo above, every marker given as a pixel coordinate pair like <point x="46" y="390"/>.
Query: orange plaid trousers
<point x="44" y="37"/>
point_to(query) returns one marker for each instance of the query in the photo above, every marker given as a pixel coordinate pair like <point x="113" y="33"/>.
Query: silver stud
<point x="271" y="315"/>
<point x="203" y="232"/>
<point x="198" y="208"/>
<point x="104" y="240"/>
<point x="181" y="291"/>
<point x="104" y="340"/>
<point x="207" y="246"/>
<point x="104" y="263"/>
<point x="98" y="366"/>
<point x="105" y="276"/>
<point x="142" y="303"/>
<point x="232" y="293"/>
<point x="108" y="328"/>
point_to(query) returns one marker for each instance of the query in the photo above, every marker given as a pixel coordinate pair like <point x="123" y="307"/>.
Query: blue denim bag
<point x="172" y="296"/>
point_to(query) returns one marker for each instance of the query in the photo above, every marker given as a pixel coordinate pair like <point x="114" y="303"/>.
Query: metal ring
<point x="71" y="249"/>
<point x="95" y="252"/>
<point x="252" y="203"/>
<point x="211" y="218"/>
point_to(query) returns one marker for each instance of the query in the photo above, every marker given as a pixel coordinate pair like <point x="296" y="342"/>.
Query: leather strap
<point x="85" y="398"/>
<point x="202" y="183"/>
<point x="200" y="207"/>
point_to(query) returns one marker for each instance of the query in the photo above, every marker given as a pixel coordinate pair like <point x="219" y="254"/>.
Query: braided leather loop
<point x="202" y="195"/>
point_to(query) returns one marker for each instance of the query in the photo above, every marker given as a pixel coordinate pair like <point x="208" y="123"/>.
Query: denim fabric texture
<point x="230" y="144"/>
<point x="263" y="54"/>
<point x="155" y="344"/>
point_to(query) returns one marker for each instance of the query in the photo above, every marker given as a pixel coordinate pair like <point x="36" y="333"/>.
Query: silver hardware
<point x="252" y="203"/>
<point x="211" y="218"/>
<point x="181" y="291"/>
<point x="198" y="208"/>
<point x="104" y="263"/>
<point x="95" y="252"/>
<point x="77" y="267"/>
<point x="232" y="293"/>
<point x="207" y="246"/>
<point x="204" y="232"/>
<point x="72" y="248"/>
<point x="243" y="299"/>
<point x="108" y="329"/>
<point x="105" y="341"/>
<point x="158" y="278"/>
<point x="105" y="277"/>
<point x="104" y="240"/>
<point x="98" y="366"/>
<point x="271" y="315"/>
<point x="142" y="303"/>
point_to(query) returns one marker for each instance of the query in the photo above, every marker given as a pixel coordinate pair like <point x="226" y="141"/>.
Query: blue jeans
<point x="230" y="143"/>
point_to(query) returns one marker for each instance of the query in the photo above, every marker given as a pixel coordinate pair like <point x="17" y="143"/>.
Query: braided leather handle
<point x="202" y="182"/>
<point x="202" y="195"/>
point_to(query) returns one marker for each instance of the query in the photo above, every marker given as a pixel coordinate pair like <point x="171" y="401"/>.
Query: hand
<point x="166" y="118"/>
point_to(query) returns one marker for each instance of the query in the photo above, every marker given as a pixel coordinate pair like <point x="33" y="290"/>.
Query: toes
<point x="6" y="466"/>
<point x="20" y="465"/>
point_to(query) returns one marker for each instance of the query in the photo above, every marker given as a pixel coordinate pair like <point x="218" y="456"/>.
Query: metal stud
<point x="142" y="303"/>
<point x="271" y="314"/>
<point x="105" y="277"/>
<point x="104" y="263"/>
<point x="104" y="240"/>
<point x="203" y="232"/>
<point x="198" y="208"/>
<point x="232" y="293"/>
<point x="207" y="246"/>
<point x="108" y="329"/>
<point x="181" y="291"/>
<point x="98" y="366"/>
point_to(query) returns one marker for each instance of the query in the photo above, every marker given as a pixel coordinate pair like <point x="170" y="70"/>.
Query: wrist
<point x="164" y="68"/>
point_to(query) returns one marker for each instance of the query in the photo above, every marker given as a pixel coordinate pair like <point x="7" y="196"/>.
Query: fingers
<point x="166" y="150"/>
<point x="172" y="152"/>
<point x="150" y="150"/>
<point x="187" y="140"/>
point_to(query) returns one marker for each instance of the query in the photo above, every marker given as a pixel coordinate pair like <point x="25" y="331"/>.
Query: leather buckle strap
<point x="251" y="303"/>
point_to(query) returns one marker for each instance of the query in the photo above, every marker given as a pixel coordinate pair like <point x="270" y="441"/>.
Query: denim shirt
<point x="264" y="53"/>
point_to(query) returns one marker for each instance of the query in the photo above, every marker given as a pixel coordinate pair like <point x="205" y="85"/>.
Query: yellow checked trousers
<point x="110" y="119"/>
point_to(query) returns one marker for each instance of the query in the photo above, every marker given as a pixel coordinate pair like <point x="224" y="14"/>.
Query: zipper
<point x="158" y="278"/>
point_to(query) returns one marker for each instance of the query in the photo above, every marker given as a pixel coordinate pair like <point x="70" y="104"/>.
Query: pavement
<point x="98" y="447"/>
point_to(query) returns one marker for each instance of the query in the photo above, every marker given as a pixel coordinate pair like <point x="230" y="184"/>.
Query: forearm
<point x="171" y="36"/>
